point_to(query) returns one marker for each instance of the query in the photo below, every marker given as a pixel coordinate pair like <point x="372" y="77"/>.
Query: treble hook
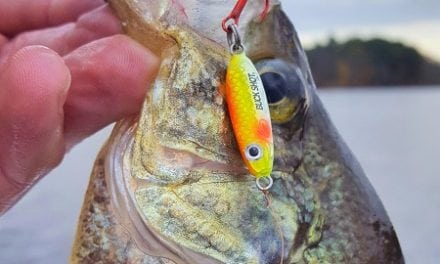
<point x="236" y="12"/>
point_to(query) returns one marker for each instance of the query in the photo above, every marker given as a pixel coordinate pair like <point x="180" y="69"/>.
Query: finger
<point x="20" y="15"/>
<point x="3" y="40"/>
<point x="33" y="88"/>
<point x="93" y="25"/>
<point x="109" y="80"/>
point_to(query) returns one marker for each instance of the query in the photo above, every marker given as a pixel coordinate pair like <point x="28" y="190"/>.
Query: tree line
<point x="374" y="62"/>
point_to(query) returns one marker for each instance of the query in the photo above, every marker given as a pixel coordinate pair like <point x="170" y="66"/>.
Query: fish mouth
<point x="187" y="163"/>
<point x="193" y="166"/>
<point x="206" y="218"/>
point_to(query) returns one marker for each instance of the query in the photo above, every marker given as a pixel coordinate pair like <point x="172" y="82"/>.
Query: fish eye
<point x="275" y="86"/>
<point x="284" y="87"/>
<point x="253" y="152"/>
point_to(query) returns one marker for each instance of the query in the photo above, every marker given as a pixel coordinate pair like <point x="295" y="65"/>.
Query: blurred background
<point x="370" y="43"/>
<point x="376" y="64"/>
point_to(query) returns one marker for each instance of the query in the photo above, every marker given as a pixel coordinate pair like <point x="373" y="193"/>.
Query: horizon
<point x="415" y="25"/>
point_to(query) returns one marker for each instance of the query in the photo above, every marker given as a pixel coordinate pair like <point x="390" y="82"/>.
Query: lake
<point x="393" y="132"/>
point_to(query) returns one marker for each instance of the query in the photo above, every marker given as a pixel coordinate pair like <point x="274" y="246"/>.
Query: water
<point x="394" y="133"/>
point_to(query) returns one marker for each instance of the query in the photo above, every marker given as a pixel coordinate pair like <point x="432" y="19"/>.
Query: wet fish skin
<point x="204" y="208"/>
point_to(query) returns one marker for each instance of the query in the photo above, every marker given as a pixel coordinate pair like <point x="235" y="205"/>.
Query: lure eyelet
<point x="234" y="39"/>
<point x="253" y="152"/>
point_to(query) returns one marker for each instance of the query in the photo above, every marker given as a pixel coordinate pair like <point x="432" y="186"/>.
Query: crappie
<point x="170" y="186"/>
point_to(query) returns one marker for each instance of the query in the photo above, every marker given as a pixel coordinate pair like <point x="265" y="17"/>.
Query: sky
<point x="416" y="23"/>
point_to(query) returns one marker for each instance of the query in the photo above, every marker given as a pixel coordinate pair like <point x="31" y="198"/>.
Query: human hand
<point x="65" y="73"/>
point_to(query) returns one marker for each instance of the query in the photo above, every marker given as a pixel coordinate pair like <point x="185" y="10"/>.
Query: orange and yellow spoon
<point x="250" y="116"/>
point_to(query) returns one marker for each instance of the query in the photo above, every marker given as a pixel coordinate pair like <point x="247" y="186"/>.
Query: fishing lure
<point x="249" y="110"/>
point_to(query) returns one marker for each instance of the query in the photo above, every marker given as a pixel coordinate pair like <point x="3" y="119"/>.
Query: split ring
<point x="264" y="187"/>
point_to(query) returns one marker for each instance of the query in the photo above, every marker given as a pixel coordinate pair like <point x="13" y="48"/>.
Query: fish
<point x="170" y="186"/>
